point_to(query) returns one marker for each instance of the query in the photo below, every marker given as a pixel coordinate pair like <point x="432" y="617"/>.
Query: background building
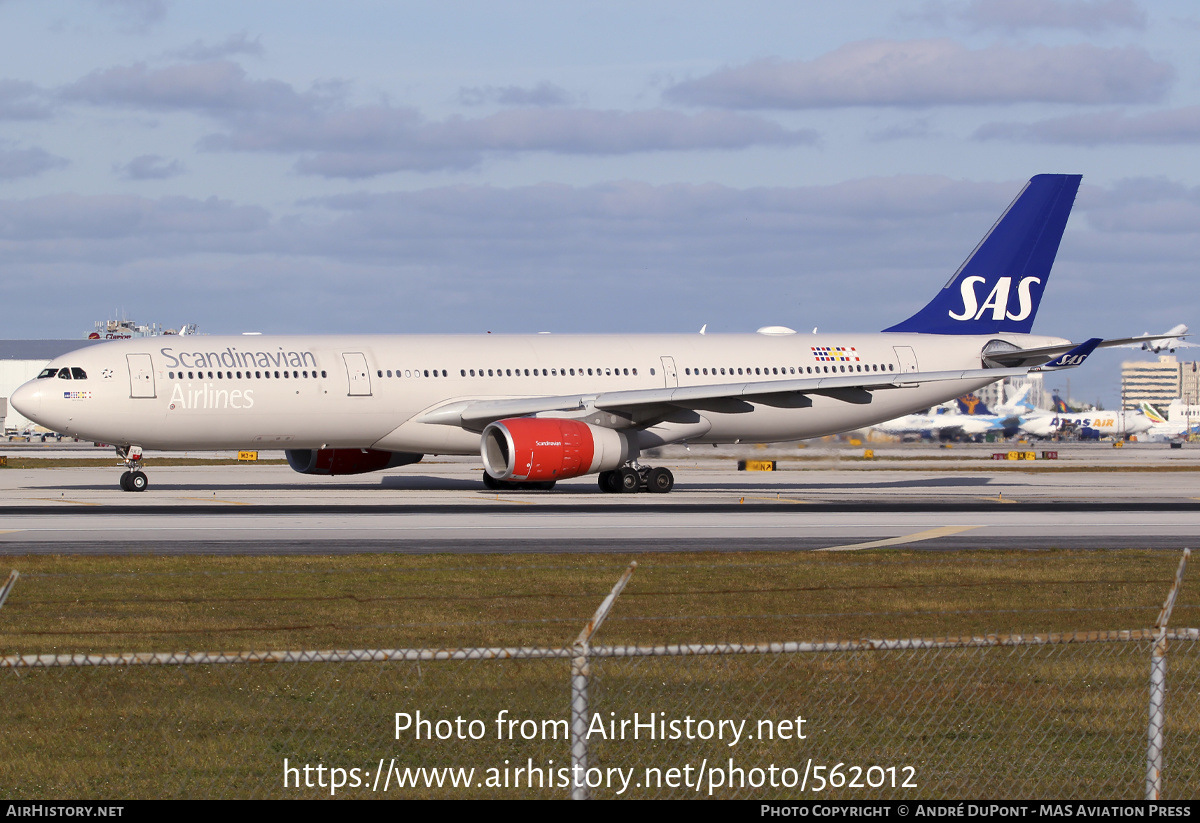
<point x="1156" y="383"/>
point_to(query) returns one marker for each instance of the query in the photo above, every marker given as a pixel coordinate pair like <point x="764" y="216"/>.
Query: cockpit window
<point x="64" y="373"/>
<point x="47" y="373"/>
<point x="78" y="373"/>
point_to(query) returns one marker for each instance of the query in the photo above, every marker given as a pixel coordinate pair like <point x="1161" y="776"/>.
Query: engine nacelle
<point x="547" y="448"/>
<point x="347" y="461"/>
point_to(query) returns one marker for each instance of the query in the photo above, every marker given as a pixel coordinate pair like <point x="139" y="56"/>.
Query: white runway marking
<point x="944" y="531"/>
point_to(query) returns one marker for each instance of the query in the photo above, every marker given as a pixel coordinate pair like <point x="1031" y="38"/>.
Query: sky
<point x="367" y="166"/>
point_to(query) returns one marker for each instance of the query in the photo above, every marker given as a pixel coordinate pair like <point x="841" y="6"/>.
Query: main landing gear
<point x="634" y="478"/>
<point x="133" y="480"/>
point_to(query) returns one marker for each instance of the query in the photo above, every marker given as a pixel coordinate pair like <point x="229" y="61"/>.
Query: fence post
<point x="581" y="674"/>
<point x="8" y="584"/>
<point x="1158" y="688"/>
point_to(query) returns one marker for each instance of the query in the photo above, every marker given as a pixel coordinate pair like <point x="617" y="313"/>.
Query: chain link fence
<point x="1064" y="715"/>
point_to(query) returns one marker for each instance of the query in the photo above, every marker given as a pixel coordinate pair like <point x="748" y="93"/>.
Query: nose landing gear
<point x="133" y="480"/>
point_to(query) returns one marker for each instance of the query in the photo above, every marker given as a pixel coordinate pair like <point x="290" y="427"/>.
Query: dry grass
<point x="1038" y="721"/>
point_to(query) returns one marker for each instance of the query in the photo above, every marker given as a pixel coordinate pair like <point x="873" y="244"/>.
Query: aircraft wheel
<point x="660" y="480"/>
<point x="607" y="481"/>
<point x="125" y="482"/>
<point x="628" y="481"/>
<point x="490" y="482"/>
<point x="545" y="485"/>
<point x="137" y="482"/>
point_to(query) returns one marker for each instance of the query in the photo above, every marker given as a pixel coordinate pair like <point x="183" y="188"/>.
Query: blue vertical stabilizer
<point x="1000" y="285"/>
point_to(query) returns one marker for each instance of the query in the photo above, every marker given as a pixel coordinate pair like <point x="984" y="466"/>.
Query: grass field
<point x="1061" y="721"/>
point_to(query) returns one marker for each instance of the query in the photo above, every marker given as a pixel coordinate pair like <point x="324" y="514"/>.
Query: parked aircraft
<point x="1088" y="424"/>
<point x="966" y="417"/>
<point x="541" y="408"/>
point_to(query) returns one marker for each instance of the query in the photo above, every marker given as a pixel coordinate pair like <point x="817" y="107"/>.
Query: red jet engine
<point x="347" y="461"/>
<point x="539" y="449"/>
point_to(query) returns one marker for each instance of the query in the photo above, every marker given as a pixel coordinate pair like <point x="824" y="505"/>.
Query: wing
<point x="643" y="404"/>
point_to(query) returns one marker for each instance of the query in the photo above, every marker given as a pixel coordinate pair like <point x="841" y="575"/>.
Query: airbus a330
<point x="542" y="408"/>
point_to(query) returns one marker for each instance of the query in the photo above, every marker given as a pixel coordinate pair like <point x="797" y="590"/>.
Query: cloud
<point x="232" y="45"/>
<point x="543" y="94"/>
<point x="149" y="167"/>
<point x="17" y="163"/>
<point x="219" y="87"/>
<point x="367" y="141"/>
<point x="337" y="139"/>
<point x="931" y="73"/>
<point x="22" y="101"/>
<point x="1163" y="127"/>
<point x="122" y="227"/>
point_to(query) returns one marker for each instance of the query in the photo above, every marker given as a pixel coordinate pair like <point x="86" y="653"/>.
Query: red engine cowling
<point x="347" y="461"/>
<point x="543" y="448"/>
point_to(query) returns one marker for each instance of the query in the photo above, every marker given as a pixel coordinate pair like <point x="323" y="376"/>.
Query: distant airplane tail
<point x="1020" y="400"/>
<point x="1060" y="406"/>
<point x="1152" y="414"/>
<point x="970" y="404"/>
<point x="999" y="287"/>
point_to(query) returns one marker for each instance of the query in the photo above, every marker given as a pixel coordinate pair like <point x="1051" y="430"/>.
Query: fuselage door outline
<point x="358" y="375"/>
<point x="141" y="375"/>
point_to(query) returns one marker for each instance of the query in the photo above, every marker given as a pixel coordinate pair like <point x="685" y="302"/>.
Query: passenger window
<point x="322" y="372"/>
<point x="652" y="372"/>
<point x="635" y="372"/>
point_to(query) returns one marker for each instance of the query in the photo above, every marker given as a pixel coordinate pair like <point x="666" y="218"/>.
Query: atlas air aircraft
<point x="542" y="408"/>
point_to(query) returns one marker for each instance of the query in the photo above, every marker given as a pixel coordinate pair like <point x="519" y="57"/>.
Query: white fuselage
<point x="1112" y="423"/>
<point x="369" y="391"/>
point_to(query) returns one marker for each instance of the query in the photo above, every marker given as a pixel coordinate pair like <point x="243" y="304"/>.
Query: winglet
<point x="1073" y="358"/>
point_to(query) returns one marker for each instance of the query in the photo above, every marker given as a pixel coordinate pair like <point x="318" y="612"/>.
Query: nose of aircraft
<point x="27" y="400"/>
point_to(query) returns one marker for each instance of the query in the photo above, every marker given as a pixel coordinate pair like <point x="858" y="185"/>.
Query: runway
<point x="442" y="507"/>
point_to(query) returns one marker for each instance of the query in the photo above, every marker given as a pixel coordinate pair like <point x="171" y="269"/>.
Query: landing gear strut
<point x="133" y="480"/>
<point x="634" y="478"/>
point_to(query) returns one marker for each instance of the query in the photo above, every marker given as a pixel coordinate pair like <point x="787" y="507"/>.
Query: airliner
<point x="544" y="407"/>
